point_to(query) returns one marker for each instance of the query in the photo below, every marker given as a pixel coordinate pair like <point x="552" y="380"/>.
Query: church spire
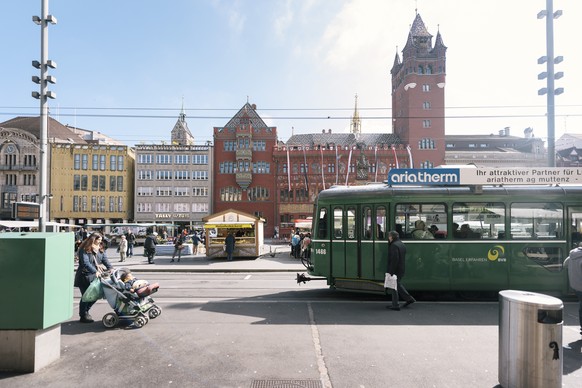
<point x="356" y="125"/>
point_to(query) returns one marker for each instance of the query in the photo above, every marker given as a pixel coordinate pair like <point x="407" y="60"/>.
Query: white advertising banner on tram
<point x="484" y="176"/>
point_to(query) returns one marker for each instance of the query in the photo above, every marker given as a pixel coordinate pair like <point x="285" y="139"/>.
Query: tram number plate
<point x="320" y="251"/>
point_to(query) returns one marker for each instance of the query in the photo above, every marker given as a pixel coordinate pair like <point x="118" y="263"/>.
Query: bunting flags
<point x="348" y="167"/>
<point x="288" y="170"/>
<point x="322" y="172"/>
<point x="376" y="163"/>
<point x="305" y="170"/>
<point x="395" y="157"/>
<point x="410" y="156"/>
<point x="336" y="165"/>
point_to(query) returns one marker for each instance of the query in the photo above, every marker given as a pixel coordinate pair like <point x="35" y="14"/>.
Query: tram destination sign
<point x="484" y="176"/>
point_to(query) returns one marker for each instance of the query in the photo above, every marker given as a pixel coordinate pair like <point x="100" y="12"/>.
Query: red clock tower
<point x="418" y="96"/>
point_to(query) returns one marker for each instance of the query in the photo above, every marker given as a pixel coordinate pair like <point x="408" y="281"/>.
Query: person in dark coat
<point x="150" y="246"/>
<point x="229" y="242"/>
<point x="91" y="254"/>
<point x="396" y="266"/>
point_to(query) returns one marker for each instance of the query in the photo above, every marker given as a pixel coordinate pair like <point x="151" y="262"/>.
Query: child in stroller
<point x="130" y="299"/>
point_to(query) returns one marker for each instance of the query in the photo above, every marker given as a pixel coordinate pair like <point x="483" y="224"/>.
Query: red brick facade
<point x="244" y="174"/>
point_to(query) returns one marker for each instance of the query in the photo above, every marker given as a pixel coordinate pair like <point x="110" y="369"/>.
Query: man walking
<point x="574" y="264"/>
<point x="396" y="264"/>
<point x="130" y="243"/>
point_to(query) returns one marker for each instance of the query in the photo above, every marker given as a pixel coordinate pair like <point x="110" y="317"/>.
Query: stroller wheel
<point x="141" y="321"/>
<point x="155" y="312"/>
<point x="110" y="320"/>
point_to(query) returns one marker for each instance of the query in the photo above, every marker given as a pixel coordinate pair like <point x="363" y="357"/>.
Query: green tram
<point x="480" y="239"/>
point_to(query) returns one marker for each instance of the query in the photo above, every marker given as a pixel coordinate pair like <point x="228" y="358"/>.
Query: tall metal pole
<point x="43" y="184"/>
<point x="550" y="69"/>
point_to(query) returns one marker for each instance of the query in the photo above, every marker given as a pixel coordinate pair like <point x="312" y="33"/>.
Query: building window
<point x="163" y="159"/>
<point x="181" y="191"/>
<point x="145" y="191"/>
<point x="200" y="191"/>
<point x="164" y="175"/>
<point x="259" y="145"/>
<point x="163" y="191"/>
<point x="84" y="161"/>
<point x="426" y="105"/>
<point x="199" y="159"/>
<point x="112" y="162"/>
<point x="182" y="175"/>
<point x="145" y="159"/>
<point x="230" y="194"/>
<point x="95" y="162"/>
<point x="120" y="183"/>
<point x="426" y="88"/>
<point x="426" y="123"/>
<point x="145" y="175"/>
<point x="101" y="183"/>
<point x="112" y="183"/>
<point x="200" y="175"/>
<point x="182" y="159"/>
<point x="200" y="207"/>
<point x="84" y="182"/>
<point x="144" y="207"/>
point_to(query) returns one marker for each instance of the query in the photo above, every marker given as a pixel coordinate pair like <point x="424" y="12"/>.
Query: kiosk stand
<point x="246" y="228"/>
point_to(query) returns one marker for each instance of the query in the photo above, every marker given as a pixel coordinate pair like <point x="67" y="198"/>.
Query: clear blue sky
<point x="299" y="61"/>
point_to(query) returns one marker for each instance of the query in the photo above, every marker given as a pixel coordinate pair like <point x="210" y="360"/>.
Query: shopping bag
<point x="390" y="281"/>
<point x="94" y="292"/>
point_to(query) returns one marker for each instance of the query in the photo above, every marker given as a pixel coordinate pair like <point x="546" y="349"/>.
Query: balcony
<point x="244" y="179"/>
<point x="18" y="167"/>
<point x="244" y="153"/>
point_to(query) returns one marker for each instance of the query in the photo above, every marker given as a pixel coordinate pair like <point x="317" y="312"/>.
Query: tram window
<point x="367" y="223"/>
<point x="432" y="215"/>
<point x="322" y="223"/>
<point x="478" y="220"/>
<point x="538" y="221"/>
<point x="380" y="223"/>
<point x="338" y="223"/>
<point x="351" y="222"/>
<point x="551" y="258"/>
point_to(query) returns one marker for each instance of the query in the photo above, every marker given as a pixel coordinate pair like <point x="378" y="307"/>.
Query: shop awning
<point x="228" y="225"/>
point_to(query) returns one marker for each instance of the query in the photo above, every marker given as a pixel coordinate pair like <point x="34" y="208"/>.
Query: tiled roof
<point x="418" y="28"/>
<point x="343" y="139"/>
<point x="56" y="130"/>
<point x="247" y="111"/>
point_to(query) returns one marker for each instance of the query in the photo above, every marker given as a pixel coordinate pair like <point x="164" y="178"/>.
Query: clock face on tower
<point x="10" y="149"/>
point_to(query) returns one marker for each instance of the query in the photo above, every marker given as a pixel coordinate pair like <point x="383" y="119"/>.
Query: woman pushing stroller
<point x="92" y="263"/>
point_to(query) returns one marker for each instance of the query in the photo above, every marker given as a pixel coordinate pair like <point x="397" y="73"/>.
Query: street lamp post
<point x="549" y="59"/>
<point x="43" y="96"/>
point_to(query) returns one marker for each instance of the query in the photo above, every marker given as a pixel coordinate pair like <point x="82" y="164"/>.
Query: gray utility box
<point x="530" y="340"/>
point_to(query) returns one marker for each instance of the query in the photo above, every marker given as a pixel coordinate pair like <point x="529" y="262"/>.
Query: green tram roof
<point x="372" y="193"/>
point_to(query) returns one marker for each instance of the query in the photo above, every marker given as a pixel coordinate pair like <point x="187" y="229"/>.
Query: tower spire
<point x="356" y="125"/>
<point x="182" y="113"/>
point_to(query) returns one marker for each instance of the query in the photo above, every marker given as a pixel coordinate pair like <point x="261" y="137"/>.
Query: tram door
<point x="344" y="242"/>
<point x="574" y="236"/>
<point x="372" y="244"/>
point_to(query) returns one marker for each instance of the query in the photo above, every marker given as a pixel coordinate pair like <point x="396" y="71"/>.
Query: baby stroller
<point x="136" y="306"/>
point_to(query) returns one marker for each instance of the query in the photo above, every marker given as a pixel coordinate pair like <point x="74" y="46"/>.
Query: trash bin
<point x="530" y="340"/>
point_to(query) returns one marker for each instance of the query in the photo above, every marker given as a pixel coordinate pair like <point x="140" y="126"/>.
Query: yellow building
<point x="91" y="183"/>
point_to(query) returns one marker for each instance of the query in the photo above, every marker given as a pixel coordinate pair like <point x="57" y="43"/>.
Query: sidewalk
<point x="278" y="260"/>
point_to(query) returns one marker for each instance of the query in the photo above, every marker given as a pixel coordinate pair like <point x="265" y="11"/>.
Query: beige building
<point x="173" y="181"/>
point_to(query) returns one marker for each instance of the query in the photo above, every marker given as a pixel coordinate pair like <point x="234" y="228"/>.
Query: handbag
<point x="390" y="281"/>
<point x="94" y="292"/>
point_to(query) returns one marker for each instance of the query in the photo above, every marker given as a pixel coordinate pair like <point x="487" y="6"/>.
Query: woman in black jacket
<point x="92" y="259"/>
<point x="396" y="266"/>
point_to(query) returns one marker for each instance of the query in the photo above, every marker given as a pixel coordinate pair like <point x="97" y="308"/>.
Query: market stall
<point x="246" y="228"/>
